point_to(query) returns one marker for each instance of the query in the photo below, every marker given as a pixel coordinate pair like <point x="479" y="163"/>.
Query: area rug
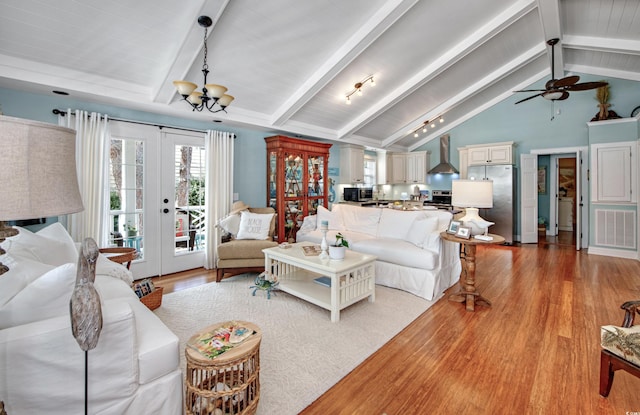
<point x="302" y="352"/>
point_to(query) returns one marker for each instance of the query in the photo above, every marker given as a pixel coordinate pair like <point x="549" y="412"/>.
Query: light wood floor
<point x="535" y="351"/>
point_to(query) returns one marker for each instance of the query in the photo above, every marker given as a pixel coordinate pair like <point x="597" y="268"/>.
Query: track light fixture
<point x="425" y="125"/>
<point x="211" y="94"/>
<point x="358" y="88"/>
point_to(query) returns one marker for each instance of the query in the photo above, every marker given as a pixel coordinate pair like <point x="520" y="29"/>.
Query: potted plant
<point x="131" y="229"/>
<point x="339" y="248"/>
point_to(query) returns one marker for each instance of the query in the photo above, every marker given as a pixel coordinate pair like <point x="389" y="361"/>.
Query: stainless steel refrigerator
<point x="502" y="212"/>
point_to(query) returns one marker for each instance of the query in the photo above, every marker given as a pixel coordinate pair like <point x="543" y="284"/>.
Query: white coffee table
<point x="352" y="279"/>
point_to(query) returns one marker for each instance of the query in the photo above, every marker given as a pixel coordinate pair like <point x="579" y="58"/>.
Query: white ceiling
<point x="290" y="63"/>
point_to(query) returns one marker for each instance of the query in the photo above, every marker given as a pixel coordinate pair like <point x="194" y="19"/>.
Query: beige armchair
<point x="238" y="256"/>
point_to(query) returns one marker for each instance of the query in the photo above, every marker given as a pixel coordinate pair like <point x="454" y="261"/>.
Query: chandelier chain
<point x="205" y="65"/>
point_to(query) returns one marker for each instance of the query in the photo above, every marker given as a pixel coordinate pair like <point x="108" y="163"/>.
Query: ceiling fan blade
<point x="564" y="96"/>
<point x="586" y="85"/>
<point x="566" y="81"/>
<point x="531" y="97"/>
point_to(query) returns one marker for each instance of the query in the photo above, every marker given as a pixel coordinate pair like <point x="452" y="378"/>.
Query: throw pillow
<point x="52" y="245"/>
<point x="230" y="224"/>
<point x="333" y="218"/>
<point x="22" y="271"/>
<point x="420" y="229"/>
<point x="46" y="297"/>
<point x="254" y="225"/>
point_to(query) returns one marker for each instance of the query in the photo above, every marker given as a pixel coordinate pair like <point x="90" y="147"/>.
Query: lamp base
<point x="5" y="232"/>
<point x="473" y="220"/>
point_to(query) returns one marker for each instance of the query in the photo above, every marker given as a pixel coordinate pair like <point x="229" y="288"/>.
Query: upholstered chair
<point x="620" y="348"/>
<point x="237" y="256"/>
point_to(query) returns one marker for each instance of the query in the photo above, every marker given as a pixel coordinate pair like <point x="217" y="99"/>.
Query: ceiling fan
<point x="558" y="89"/>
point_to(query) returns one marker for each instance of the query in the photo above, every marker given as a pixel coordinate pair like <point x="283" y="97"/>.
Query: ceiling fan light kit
<point x="357" y="88"/>
<point x="212" y="94"/>
<point x="558" y="89"/>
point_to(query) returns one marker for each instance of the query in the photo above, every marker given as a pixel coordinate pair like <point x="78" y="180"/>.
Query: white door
<point x="182" y="202"/>
<point x="140" y="180"/>
<point x="528" y="198"/>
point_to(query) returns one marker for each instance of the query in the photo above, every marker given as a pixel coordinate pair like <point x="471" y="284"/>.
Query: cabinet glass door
<point x="316" y="182"/>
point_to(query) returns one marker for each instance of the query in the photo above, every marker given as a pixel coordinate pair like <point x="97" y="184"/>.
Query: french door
<point x="157" y="197"/>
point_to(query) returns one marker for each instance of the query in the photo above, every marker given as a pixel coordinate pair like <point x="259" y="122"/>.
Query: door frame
<point x="582" y="187"/>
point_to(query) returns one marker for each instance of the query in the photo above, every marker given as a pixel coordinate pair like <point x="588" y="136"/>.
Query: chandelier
<point x="211" y="94"/>
<point x="358" y="88"/>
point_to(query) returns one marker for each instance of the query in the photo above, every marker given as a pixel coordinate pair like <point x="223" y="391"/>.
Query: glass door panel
<point x="126" y="179"/>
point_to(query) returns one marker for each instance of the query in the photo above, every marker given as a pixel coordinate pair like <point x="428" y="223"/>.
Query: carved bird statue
<point x="86" y="313"/>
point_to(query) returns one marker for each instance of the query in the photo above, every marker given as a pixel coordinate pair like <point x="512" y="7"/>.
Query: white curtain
<point x="92" y="156"/>
<point x="218" y="188"/>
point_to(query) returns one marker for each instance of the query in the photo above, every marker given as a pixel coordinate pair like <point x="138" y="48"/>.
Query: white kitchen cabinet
<point x="398" y="168"/>
<point x="351" y="164"/>
<point x="416" y="167"/>
<point x="490" y="154"/>
<point x="613" y="172"/>
<point x="408" y="168"/>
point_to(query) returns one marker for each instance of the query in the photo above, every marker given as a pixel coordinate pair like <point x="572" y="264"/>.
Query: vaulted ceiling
<point x="290" y="63"/>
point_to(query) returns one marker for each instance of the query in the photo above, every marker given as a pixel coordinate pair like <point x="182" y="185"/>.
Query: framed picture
<point x="542" y="180"/>
<point x="464" y="232"/>
<point x="454" y="225"/>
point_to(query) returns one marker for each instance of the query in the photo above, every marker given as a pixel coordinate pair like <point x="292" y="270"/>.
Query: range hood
<point x="444" y="167"/>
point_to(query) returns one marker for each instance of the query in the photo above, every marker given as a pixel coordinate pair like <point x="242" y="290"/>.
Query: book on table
<point x="312" y="250"/>
<point x="217" y="341"/>
<point x="326" y="281"/>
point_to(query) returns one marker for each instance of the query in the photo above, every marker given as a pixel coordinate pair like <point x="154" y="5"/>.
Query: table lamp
<point x="38" y="171"/>
<point x="472" y="195"/>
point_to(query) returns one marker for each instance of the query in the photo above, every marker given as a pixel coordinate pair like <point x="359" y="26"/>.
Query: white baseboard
<point x="619" y="253"/>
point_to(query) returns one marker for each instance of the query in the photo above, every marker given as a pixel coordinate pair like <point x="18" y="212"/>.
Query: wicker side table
<point x="228" y="383"/>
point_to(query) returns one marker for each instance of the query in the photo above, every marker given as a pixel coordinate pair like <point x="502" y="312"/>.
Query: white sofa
<point x="411" y="256"/>
<point x="133" y="370"/>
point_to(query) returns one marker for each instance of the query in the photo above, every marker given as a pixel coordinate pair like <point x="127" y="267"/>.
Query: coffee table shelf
<point x="352" y="279"/>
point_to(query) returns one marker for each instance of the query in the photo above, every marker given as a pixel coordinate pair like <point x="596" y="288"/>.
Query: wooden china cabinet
<point x="297" y="181"/>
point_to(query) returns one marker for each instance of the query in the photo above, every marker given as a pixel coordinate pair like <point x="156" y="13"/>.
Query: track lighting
<point x="425" y="126"/>
<point x="357" y="88"/>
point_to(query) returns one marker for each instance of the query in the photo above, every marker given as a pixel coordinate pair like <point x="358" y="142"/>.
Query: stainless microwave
<point x="357" y="194"/>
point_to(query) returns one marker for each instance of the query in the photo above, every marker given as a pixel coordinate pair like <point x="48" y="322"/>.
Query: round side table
<point x="468" y="293"/>
<point x="120" y="255"/>
<point x="228" y="383"/>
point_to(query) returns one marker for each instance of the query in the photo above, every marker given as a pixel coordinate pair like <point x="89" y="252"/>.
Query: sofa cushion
<point x="47" y="296"/>
<point x="420" y="229"/>
<point x="396" y="223"/>
<point x="244" y="249"/>
<point x="158" y="347"/>
<point x="362" y="220"/>
<point x="396" y="251"/>
<point x="254" y="225"/>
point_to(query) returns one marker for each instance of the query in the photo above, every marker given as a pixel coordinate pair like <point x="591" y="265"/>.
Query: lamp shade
<point x="472" y="193"/>
<point x="38" y="170"/>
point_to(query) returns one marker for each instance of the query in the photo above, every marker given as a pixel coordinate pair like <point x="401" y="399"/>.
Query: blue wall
<point x="528" y="124"/>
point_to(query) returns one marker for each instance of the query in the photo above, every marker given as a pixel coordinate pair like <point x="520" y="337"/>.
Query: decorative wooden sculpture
<point x="86" y="314"/>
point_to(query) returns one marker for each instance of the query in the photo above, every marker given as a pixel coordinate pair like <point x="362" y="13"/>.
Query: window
<point x="369" y="171"/>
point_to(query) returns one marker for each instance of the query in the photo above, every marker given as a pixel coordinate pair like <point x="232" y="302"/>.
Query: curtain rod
<point x="160" y="126"/>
